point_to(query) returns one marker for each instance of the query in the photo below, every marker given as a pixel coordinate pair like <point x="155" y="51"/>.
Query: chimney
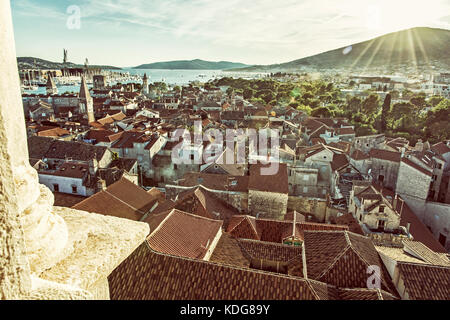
<point x="395" y="202"/>
<point x="101" y="185"/>
<point x="419" y="145"/>
<point x="93" y="166"/>
<point x="408" y="226"/>
<point x="403" y="151"/>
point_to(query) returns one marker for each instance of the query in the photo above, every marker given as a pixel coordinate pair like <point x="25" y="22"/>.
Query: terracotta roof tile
<point x="419" y="250"/>
<point x="122" y="199"/>
<point x="184" y="234"/>
<point x="341" y="258"/>
<point x="385" y="155"/>
<point x="359" y="155"/>
<point x="148" y="275"/>
<point x="247" y="227"/>
<point x="425" y="282"/>
<point x="270" y="183"/>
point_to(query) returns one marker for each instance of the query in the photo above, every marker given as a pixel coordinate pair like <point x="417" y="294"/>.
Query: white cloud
<point x="265" y="30"/>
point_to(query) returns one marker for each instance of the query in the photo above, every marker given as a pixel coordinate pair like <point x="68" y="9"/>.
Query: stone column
<point x="14" y="269"/>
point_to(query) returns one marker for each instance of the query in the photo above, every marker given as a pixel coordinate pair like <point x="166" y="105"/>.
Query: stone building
<point x="100" y="82"/>
<point x="268" y="194"/>
<point x="383" y="167"/>
<point x="367" y="143"/>
<point x="413" y="180"/>
<point x="372" y="210"/>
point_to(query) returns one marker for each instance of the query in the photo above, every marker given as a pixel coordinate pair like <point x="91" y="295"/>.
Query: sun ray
<point x="412" y="50"/>
<point x="422" y="49"/>
<point x="393" y="44"/>
<point x="361" y="54"/>
<point x="374" y="52"/>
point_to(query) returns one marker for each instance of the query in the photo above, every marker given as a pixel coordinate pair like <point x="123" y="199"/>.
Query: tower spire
<point x="86" y="103"/>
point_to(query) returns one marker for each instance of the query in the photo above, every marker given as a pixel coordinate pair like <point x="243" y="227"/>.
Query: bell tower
<point x="145" y="85"/>
<point x="85" y="101"/>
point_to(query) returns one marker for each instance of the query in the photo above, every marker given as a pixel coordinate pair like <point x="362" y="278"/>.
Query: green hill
<point x="192" y="65"/>
<point x="36" y="63"/>
<point x="422" y="46"/>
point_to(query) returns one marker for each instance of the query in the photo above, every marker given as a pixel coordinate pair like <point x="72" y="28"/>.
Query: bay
<point x="171" y="77"/>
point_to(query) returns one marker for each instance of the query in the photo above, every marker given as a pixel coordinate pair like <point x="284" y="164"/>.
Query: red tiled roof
<point x="122" y="199"/>
<point x="359" y="155"/>
<point x="148" y="275"/>
<point x="270" y="251"/>
<point x="247" y="227"/>
<point x="204" y="203"/>
<point x="364" y="294"/>
<point x="184" y="234"/>
<point x="277" y="182"/>
<point x="440" y="148"/>
<point x="55" y="132"/>
<point x="101" y="135"/>
<point x="344" y="131"/>
<point x="385" y="155"/>
<point x="339" y="161"/>
<point x="425" y="282"/>
<point x="341" y="258"/>
<point x="351" y="222"/>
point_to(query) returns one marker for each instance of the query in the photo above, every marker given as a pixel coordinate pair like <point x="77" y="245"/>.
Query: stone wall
<point x="15" y="278"/>
<point x="412" y="183"/>
<point x="387" y="169"/>
<point x="269" y="205"/>
<point x="435" y="215"/>
<point x="313" y="206"/>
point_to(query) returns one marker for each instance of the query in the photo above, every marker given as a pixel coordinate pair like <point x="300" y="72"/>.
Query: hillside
<point x="424" y="46"/>
<point x="192" y="65"/>
<point x="36" y="63"/>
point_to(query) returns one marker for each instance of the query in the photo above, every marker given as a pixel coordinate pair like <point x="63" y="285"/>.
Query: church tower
<point x="145" y="85"/>
<point x="50" y="86"/>
<point x="85" y="101"/>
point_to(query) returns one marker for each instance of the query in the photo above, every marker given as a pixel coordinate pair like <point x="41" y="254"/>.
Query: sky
<point x="128" y="33"/>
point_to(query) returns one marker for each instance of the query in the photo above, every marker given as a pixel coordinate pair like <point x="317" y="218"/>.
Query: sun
<point x="405" y="14"/>
<point x="384" y="16"/>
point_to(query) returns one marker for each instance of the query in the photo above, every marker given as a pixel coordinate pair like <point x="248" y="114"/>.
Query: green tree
<point x="371" y="104"/>
<point x="322" y="112"/>
<point x="385" y="109"/>
<point x="437" y="126"/>
<point x="354" y="105"/>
